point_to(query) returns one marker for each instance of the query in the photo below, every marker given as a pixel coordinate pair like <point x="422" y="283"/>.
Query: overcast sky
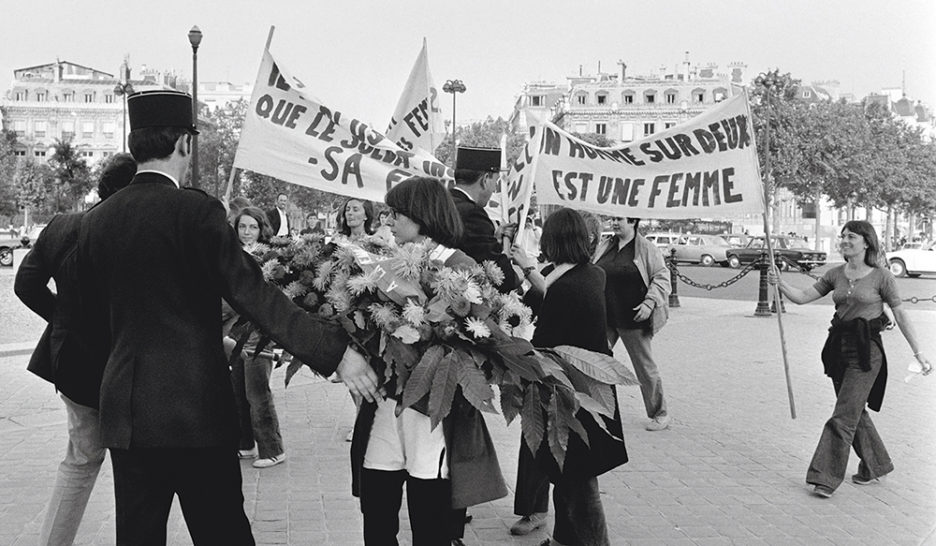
<point x="356" y="55"/>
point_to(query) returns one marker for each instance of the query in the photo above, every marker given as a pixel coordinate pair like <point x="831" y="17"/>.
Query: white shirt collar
<point x="456" y="188"/>
<point x="167" y="175"/>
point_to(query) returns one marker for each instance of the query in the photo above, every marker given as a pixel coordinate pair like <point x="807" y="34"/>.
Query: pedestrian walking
<point x="636" y="294"/>
<point x="853" y="357"/>
<point x="65" y="358"/>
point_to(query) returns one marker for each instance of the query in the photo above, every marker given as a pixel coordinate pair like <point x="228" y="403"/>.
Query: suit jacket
<point x="479" y="242"/>
<point x="274" y="218"/>
<point x="63" y="355"/>
<point x="573" y="313"/>
<point x="155" y="262"/>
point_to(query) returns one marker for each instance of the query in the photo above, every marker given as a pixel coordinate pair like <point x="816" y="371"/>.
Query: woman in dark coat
<point x="573" y="313"/>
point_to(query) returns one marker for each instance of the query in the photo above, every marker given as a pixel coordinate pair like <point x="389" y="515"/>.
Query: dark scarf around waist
<point x="849" y="343"/>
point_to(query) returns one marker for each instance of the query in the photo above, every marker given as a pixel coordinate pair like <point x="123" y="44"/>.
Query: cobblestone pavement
<point x="730" y="470"/>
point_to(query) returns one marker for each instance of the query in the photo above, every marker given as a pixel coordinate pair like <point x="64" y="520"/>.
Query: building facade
<point x="66" y="101"/>
<point x="214" y="95"/>
<point x="625" y="107"/>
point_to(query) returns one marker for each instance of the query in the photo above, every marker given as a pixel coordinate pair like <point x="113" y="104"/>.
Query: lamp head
<point x="195" y="37"/>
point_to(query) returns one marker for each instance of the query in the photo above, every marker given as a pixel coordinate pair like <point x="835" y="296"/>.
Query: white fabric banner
<point x="291" y="136"/>
<point x="417" y="122"/>
<point x="703" y="168"/>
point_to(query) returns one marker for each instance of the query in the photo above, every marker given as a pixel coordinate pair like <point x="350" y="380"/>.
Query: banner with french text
<point x="291" y="136"/>
<point x="703" y="168"/>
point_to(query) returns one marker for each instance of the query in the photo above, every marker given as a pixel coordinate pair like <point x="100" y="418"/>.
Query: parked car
<point x="664" y="240"/>
<point x="739" y="240"/>
<point x="7" y="244"/>
<point x="701" y="249"/>
<point x="791" y="249"/>
<point x="913" y="262"/>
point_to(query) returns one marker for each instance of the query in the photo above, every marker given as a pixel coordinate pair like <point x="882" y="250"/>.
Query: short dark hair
<point x="593" y="226"/>
<point x="425" y="201"/>
<point x="565" y="238"/>
<point x="116" y="174"/>
<point x="468" y="176"/>
<point x="867" y="232"/>
<point x="368" y="216"/>
<point x="282" y="193"/>
<point x="383" y="213"/>
<point x="154" y="142"/>
<point x="266" y="231"/>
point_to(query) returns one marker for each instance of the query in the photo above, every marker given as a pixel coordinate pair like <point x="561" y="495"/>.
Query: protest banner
<point x="510" y="202"/>
<point x="705" y="167"/>
<point x="291" y="136"/>
<point x="417" y="122"/>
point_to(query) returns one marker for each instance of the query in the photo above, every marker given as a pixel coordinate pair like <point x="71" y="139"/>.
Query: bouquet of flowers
<point x="432" y="330"/>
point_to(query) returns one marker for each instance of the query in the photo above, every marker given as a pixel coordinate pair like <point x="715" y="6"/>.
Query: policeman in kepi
<point x="476" y="172"/>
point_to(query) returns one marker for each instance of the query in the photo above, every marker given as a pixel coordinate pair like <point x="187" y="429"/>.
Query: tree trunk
<point x="818" y="232"/>
<point x="911" y="225"/>
<point x="775" y="208"/>
<point x="889" y="228"/>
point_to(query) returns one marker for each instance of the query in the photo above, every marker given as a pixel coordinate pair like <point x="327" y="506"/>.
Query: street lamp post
<point x="195" y="38"/>
<point x="122" y="89"/>
<point x="453" y="87"/>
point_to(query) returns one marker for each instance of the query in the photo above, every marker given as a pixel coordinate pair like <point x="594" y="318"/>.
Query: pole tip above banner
<point x="269" y="38"/>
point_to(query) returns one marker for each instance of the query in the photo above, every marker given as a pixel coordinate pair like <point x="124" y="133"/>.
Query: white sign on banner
<point x="293" y="137"/>
<point x="417" y="121"/>
<point x="705" y="167"/>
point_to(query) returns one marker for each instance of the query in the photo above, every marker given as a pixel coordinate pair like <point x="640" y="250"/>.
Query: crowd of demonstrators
<point x="636" y="298"/>
<point x="444" y="469"/>
<point x="63" y="358"/>
<point x="853" y="357"/>
<point x="259" y="436"/>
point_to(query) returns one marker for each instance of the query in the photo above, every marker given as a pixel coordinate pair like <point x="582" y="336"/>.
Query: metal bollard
<point x="674" y="295"/>
<point x="773" y="305"/>
<point x="763" y="308"/>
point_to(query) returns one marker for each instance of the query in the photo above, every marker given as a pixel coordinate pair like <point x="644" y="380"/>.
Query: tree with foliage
<point x="32" y="185"/>
<point x="71" y="175"/>
<point x="7" y="173"/>
<point x="484" y="134"/>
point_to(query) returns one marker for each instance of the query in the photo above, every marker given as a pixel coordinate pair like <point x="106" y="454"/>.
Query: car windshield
<point x="718" y="241"/>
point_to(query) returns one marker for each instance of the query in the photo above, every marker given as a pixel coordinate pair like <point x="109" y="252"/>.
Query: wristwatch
<point x="528" y="270"/>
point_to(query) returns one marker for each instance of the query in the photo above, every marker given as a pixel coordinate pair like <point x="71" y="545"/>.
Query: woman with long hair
<point x="853" y="357"/>
<point x="250" y="373"/>
<point x="447" y="468"/>
<point x="356" y="218"/>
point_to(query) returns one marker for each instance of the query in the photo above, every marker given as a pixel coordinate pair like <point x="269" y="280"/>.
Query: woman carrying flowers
<point x="443" y="467"/>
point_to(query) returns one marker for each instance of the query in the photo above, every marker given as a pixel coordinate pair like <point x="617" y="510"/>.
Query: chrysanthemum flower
<point x="365" y="282"/>
<point x="339" y="298"/>
<point x="295" y="289"/>
<point x="414" y="313"/>
<point x="411" y="261"/>
<point x="268" y="268"/>
<point x="477" y="328"/>
<point x="383" y="314"/>
<point x="493" y="272"/>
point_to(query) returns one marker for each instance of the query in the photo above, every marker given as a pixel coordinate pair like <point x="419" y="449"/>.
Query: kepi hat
<point x="478" y="159"/>
<point x="161" y="108"/>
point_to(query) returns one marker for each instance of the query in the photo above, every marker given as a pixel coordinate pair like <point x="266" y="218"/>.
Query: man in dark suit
<point x="155" y="261"/>
<point x="63" y="356"/>
<point x="279" y="221"/>
<point x="476" y="171"/>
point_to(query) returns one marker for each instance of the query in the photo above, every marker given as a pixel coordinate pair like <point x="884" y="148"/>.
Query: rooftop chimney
<point x="623" y="69"/>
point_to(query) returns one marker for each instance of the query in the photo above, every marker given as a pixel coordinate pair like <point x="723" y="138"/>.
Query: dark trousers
<point x="255" y="409"/>
<point x="531" y="495"/>
<point x="207" y="481"/>
<point x="429" y="503"/>
<point x="850" y="427"/>
<point x="580" y="518"/>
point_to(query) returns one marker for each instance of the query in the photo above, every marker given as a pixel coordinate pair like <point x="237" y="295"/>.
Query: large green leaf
<point x="291" y="370"/>
<point x="524" y="366"/>
<point x="550" y="362"/>
<point x="443" y="389"/>
<point x="597" y="365"/>
<point x="557" y="429"/>
<point x="474" y="386"/>
<point x="569" y="406"/>
<point x="421" y="379"/>
<point x="511" y="401"/>
<point x="591" y="405"/>
<point x="532" y="422"/>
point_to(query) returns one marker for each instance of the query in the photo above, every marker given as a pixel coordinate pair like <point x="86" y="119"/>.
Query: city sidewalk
<point x="730" y="470"/>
